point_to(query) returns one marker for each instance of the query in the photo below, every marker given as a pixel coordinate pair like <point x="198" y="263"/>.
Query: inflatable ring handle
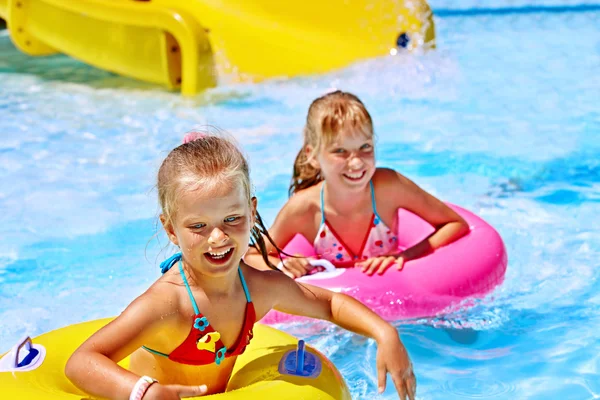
<point x="24" y="341"/>
<point x="329" y="267"/>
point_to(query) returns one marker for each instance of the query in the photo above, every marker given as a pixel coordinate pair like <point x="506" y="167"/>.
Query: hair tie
<point x="190" y="137"/>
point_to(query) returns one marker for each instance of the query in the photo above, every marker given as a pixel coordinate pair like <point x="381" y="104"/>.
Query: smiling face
<point x="348" y="161"/>
<point x="212" y="226"/>
<point x="338" y="144"/>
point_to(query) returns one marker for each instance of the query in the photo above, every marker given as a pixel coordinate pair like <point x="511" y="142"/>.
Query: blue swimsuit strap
<point x="187" y="286"/>
<point x="246" y="291"/>
<point x="373" y="203"/>
<point x="169" y="262"/>
<point x="322" y="205"/>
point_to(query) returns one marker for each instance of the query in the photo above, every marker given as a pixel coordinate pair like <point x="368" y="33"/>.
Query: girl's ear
<point x="168" y="226"/>
<point x="311" y="157"/>
<point x="254" y="202"/>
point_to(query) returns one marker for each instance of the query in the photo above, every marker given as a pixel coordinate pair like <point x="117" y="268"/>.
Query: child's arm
<point x="93" y="366"/>
<point x="449" y="226"/>
<point x="350" y="314"/>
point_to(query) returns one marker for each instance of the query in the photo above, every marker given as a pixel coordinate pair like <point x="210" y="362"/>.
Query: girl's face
<point x="347" y="162"/>
<point x="212" y="227"/>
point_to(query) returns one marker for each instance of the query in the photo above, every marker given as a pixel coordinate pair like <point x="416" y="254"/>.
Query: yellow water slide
<point x="189" y="44"/>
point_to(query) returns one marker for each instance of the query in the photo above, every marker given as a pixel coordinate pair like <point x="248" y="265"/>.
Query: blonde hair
<point x="206" y="161"/>
<point x="327" y="116"/>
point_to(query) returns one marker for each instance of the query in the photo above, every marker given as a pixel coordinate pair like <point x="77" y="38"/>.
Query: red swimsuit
<point x="203" y="345"/>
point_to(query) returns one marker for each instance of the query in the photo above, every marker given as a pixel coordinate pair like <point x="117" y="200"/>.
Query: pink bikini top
<point x="379" y="239"/>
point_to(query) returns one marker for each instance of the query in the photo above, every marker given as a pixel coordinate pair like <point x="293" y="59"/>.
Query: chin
<point x="217" y="270"/>
<point x="355" y="186"/>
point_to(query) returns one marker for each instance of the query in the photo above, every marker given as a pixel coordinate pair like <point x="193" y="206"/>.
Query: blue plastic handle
<point x="300" y="358"/>
<point x="300" y="362"/>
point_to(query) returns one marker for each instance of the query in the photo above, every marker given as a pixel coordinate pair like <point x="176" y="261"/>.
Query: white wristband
<point x="140" y="387"/>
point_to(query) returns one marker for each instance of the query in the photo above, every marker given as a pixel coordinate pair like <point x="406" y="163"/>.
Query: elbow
<point x="463" y="228"/>
<point x="337" y="304"/>
<point x="453" y="230"/>
<point x="72" y="367"/>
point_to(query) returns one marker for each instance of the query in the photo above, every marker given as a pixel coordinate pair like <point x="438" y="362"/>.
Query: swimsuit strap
<point x="322" y="204"/>
<point x="158" y="353"/>
<point x="187" y="286"/>
<point x="189" y="290"/>
<point x="373" y="203"/>
<point x="169" y="262"/>
<point x="246" y="291"/>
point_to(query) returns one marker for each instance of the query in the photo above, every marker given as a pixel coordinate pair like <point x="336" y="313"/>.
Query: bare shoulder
<point x="394" y="189"/>
<point x="266" y="287"/>
<point x="386" y="179"/>
<point x="149" y="313"/>
<point x="303" y="203"/>
<point x="297" y="216"/>
<point x="261" y="279"/>
<point x="162" y="298"/>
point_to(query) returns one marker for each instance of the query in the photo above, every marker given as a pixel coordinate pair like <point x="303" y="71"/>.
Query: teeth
<point x="219" y="255"/>
<point x="355" y="176"/>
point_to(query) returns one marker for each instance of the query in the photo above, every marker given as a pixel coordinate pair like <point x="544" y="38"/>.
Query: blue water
<point x="503" y="119"/>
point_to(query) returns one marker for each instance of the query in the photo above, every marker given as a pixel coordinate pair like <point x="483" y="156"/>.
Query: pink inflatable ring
<point x="469" y="267"/>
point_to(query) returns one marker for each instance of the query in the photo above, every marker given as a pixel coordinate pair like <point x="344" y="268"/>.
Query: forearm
<point x="98" y="375"/>
<point x="354" y="316"/>
<point x="445" y="235"/>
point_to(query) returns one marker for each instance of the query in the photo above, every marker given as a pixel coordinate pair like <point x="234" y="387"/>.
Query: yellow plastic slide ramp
<point x="138" y="39"/>
<point x="272" y="38"/>
<point x="189" y="43"/>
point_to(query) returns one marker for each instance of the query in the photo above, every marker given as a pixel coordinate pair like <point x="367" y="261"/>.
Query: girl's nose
<point x="355" y="162"/>
<point x="217" y="237"/>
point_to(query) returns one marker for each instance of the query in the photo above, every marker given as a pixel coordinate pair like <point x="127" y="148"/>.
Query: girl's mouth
<point x="219" y="257"/>
<point x="356" y="176"/>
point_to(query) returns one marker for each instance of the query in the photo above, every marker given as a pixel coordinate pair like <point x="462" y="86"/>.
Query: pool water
<point x="503" y="119"/>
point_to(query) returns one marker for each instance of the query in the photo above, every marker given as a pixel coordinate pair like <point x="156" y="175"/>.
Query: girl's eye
<point x="366" y="146"/>
<point x="198" y="226"/>
<point x="339" y="151"/>
<point x="231" y="219"/>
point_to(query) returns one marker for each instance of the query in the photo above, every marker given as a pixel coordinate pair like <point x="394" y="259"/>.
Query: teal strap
<point x="246" y="291"/>
<point x="373" y="203"/>
<point x="322" y="204"/>
<point x="169" y="262"/>
<point x="189" y="290"/>
<point x="158" y="353"/>
<point x="187" y="286"/>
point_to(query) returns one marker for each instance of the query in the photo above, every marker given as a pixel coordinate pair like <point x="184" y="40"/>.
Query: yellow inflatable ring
<point x="256" y="374"/>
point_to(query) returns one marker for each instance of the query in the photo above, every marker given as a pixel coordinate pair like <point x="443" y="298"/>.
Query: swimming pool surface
<point x="503" y="119"/>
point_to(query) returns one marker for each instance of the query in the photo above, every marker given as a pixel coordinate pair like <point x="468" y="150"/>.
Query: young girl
<point x="349" y="207"/>
<point x="209" y="213"/>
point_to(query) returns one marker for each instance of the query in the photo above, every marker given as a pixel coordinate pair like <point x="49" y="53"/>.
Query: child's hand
<point x="380" y="264"/>
<point x="393" y="358"/>
<point x="295" y="267"/>
<point x="173" y="392"/>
